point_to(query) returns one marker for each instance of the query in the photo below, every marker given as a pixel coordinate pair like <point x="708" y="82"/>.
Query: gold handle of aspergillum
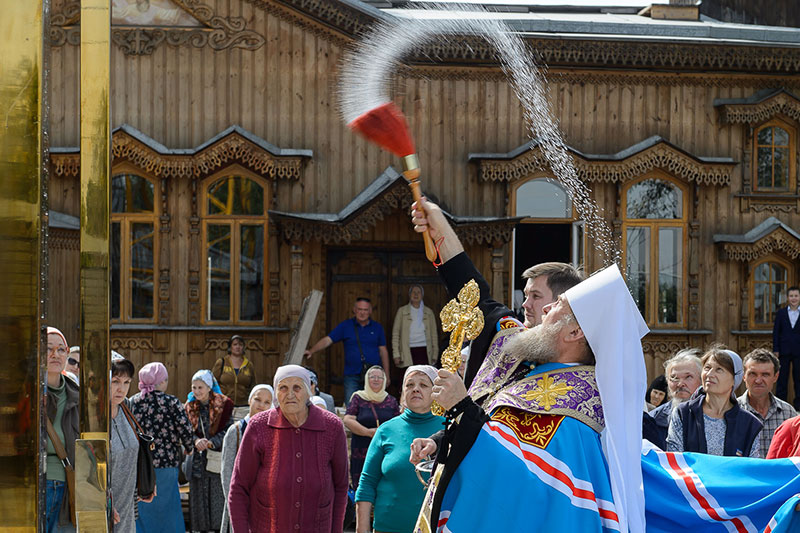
<point x="411" y="173"/>
<point x="464" y="318"/>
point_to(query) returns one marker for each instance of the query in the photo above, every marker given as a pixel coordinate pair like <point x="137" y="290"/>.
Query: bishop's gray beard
<point x="537" y="344"/>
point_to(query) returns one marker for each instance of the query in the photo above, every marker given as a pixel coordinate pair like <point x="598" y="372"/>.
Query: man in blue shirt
<point x="364" y="343"/>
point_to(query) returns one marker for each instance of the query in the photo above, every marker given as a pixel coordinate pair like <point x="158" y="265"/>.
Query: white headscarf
<point x="291" y="371"/>
<point x="260" y="387"/>
<point x="738" y="369"/>
<point x="319" y="401"/>
<point x="428" y="370"/>
<point x="613" y="327"/>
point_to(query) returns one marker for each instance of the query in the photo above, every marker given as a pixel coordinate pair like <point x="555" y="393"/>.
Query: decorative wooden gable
<point x="652" y="153"/>
<point x="769" y="237"/>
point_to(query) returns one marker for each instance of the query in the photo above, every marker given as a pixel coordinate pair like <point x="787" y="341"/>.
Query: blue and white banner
<point x="707" y="493"/>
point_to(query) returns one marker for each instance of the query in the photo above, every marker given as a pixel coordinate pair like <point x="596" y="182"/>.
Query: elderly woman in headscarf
<point x="162" y="416"/>
<point x="61" y="405"/>
<point x="368" y="409"/>
<point x="261" y="398"/>
<point x="291" y="470"/>
<point x="209" y="412"/>
<point x="388" y="481"/>
<point x="656" y="392"/>
<point x="711" y="421"/>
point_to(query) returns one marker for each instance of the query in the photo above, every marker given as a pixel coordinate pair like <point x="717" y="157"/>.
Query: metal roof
<point x="758" y="232"/>
<point x="603" y="20"/>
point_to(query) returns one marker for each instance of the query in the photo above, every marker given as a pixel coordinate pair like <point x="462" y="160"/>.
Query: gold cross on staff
<point x="464" y="318"/>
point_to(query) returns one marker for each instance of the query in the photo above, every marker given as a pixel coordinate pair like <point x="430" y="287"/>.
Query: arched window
<point x="769" y="281"/>
<point x="235" y="229"/>
<point x="542" y="198"/>
<point x="654" y="230"/>
<point x="133" y="248"/>
<point x="774" y="156"/>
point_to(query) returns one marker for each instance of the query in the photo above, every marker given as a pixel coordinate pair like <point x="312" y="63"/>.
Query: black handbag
<point x="145" y="471"/>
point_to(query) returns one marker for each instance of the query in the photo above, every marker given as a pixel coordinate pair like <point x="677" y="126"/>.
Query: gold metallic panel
<point x="23" y="82"/>
<point x="95" y="170"/>
<point x="91" y="484"/>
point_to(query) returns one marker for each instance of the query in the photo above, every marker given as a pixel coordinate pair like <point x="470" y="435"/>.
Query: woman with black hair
<point x="236" y="376"/>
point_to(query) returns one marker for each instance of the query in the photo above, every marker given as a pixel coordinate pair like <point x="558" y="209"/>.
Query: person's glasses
<point x="73" y="361"/>
<point x="59" y="350"/>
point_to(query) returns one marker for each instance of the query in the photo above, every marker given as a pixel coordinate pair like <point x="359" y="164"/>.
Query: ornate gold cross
<point x="464" y="318"/>
<point x="547" y="392"/>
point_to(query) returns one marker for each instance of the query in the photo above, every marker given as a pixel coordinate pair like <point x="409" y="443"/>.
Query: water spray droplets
<point x="368" y="70"/>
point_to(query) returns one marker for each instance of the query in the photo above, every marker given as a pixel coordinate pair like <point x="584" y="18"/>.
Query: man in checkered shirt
<point x="761" y="369"/>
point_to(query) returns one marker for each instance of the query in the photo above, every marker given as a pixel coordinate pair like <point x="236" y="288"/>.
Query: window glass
<point x="670" y="274"/>
<point x="772" y="158"/>
<point x="116" y="262"/>
<point x="543" y="198"/>
<point x="235" y="196"/>
<point x="654" y="198"/>
<point x="770" y="281"/>
<point x="218" y="258"/>
<point x="141" y="270"/>
<point x="251" y="262"/>
<point x="131" y="194"/>
<point x="638" y="265"/>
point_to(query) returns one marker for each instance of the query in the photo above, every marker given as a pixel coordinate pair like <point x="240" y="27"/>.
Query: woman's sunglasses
<point x="73" y="361"/>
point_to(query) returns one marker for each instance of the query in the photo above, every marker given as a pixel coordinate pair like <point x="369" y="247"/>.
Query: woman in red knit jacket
<point x="291" y="470"/>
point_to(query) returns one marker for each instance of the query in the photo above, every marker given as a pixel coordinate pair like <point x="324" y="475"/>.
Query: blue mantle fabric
<point x="707" y="493"/>
<point x="549" y="476"/>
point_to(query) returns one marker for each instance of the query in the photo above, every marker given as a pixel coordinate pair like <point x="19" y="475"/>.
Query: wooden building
<point x="237" y="188"/>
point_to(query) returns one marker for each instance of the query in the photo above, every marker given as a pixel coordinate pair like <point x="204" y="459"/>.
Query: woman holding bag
<point x="124" y="449"/>
<point x="209" y="412"/>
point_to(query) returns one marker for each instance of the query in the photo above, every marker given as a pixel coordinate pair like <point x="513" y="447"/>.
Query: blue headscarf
<point x="208" y="378"/>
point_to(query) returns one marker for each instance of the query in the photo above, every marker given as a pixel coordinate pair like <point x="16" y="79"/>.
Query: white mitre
<point x="613" y="326"/>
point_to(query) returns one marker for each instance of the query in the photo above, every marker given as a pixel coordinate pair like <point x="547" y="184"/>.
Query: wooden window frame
<point x="236" y="221"/>
<point x="536" y="220"/>
<point x="792" y="132"/>
<point x="751" y="285"/>
<point x="654" y="224"/>
<point x="125" y="220"/>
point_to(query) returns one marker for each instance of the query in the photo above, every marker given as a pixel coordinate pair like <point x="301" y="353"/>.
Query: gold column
<point x="92" y="450"/>
<point x="23" y="266"/>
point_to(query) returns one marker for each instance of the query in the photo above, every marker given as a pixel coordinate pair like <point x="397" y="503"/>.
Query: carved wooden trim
<point x="397" y="196"/>
<point x="296" y="289"/>
<point x="661" y="156"/>
<point x="319" y="16"/>
<point x="194" y="258"/>
<point x="233" y="148"/>
<point x="752" y="114"/>
<point x="219" y="33"/>
<point x="64" y="239"/>
<point x="746" y="343"/>
<point x="132" y="343"/>
<point x="274" y="290"/>
<point x="777" y="241"/>
<point x="68" y="165"/>
<point x="251" y="344"/>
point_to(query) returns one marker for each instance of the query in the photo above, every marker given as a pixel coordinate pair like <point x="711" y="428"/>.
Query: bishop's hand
<point x="448" y="389"/>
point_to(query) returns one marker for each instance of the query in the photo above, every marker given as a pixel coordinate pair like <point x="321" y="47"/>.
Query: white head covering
<point x="428" y="370"/>
<point x="291" y="371"/>
<point x="319" y="401"/>
<point x="116" y="356"/>
<point x="259" y="387"/>
<point x="205" y="376"/>
<point x="613" y="327"/>
<point x="738" y="368"/>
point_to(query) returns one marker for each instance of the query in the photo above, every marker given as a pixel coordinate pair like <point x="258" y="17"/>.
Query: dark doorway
<point x="538" y="243"/>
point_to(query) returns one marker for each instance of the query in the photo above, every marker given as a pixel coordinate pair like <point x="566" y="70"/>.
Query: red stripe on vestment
<point x="557" y="474"/>
<point x="692" y="487"/>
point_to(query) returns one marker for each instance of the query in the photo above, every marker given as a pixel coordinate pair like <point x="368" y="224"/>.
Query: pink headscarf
<point x="56" y="331"/>
<point x="151" y="375"/>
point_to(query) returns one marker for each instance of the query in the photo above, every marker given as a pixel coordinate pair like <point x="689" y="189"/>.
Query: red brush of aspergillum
<point x="386" y="126"/>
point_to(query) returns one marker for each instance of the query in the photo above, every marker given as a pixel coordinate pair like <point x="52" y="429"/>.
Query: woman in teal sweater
<point x="388" y="481"/>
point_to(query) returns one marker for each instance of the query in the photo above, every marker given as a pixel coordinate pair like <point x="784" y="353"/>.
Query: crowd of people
<point x="275" y="457"/>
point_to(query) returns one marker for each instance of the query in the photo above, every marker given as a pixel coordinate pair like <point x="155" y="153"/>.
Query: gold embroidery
<point x="547" y="392"/>
<point x="534" y="429"/>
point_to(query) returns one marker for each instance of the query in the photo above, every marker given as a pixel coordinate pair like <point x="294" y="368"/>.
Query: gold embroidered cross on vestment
<point x="547" y="392"/>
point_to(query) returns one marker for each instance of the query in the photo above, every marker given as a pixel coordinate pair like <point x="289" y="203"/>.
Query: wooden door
<point x="384" y="276"/>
